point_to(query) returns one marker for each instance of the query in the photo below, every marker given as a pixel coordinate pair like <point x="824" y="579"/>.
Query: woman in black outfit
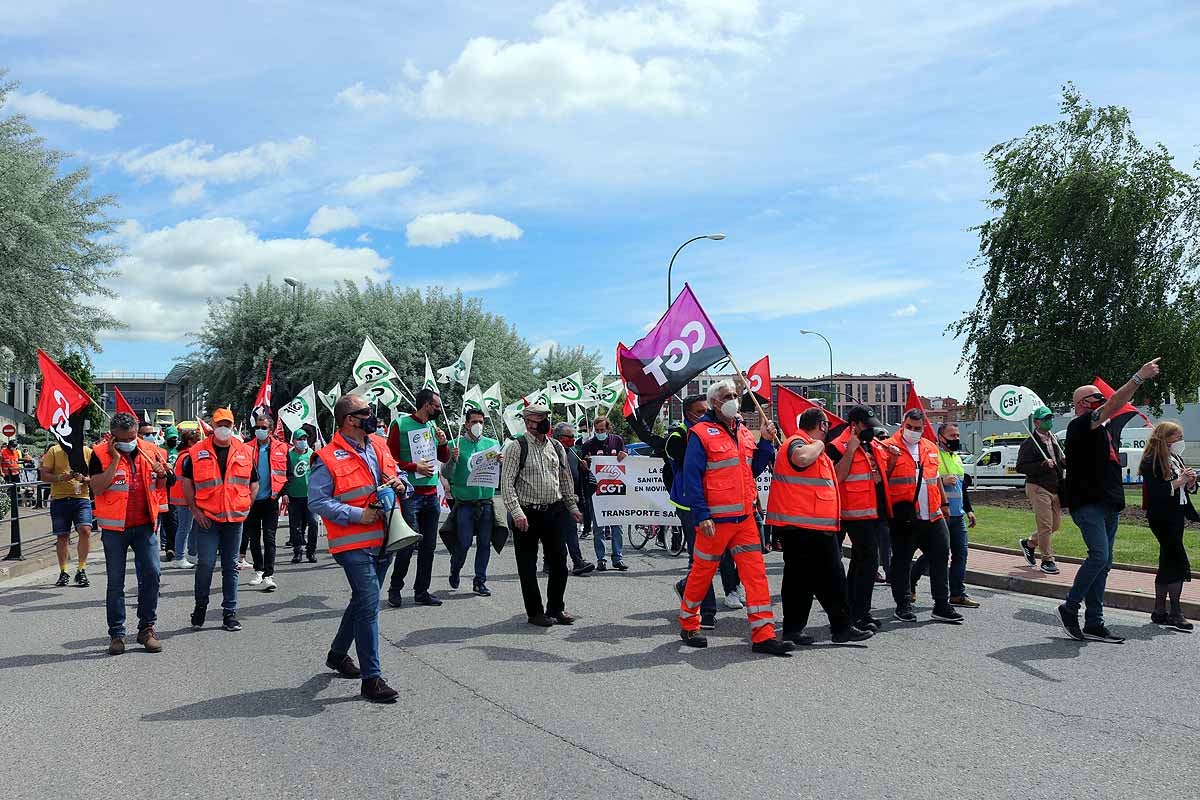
<point x="1168" y="484"/>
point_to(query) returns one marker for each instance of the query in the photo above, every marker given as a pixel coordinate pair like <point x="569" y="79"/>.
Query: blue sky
<point x="549" y="156"/>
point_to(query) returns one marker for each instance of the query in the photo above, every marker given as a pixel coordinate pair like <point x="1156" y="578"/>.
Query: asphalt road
<point x="613" y="707"/>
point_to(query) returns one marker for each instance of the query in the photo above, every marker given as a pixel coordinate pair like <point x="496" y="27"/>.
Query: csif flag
<point x="460" y="371"/>
<point x="430" y="381"/>
<point x="60" y="408"/>
<point x="330" y="398"/>
<point x="381" y="392"/>
<point x="758" y="381"/>
<point x="120" y="404"/>
<point x="302" y="410"/>
<point x="493" y="403"/>
<point x="371" y="365"/>
<point x="472" y="398"/>
<point x="681" y="345"/>
<point x="512" y="418"/>
<point x="792" y="405"/>
<point x="914" y="402"/>
<point x="591" y="392"/>
<point x="566" y="391"/>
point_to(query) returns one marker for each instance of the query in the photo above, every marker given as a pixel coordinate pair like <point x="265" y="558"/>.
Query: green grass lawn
<point x="1135" y="543"/>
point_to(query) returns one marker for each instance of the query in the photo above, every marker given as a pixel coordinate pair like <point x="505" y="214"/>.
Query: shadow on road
<point x="520" y="655"/>
<point x="298" y="702"/>
<point x="46" y="659"/>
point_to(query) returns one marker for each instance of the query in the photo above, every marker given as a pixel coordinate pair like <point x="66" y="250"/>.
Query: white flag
<point x="460" y="371"/>
<point x="513" y="419"/>
<point x="578" y="418"/>
<point x="591" y="392"/>
<point x="379" y="391"/>
<point x="302" y="410"/>
<point x="473" y="398"/>
<point x="610" y="394"/>
<point x="331" y="397"/>
<point x="568" y="390"/>
<point x="492" y="402"/>
<point x="371" y="365"/>
<point x="430" y="381"/>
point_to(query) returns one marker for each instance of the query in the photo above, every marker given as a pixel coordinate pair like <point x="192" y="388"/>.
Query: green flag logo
<point x="298" y="407"/>
<point x="369" y="371"/>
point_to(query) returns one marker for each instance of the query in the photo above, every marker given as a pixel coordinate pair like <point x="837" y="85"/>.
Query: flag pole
<point x="753" y="397"/>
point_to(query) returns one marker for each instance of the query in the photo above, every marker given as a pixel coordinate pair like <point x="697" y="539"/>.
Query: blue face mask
<point x="126" y="447"/>
<point x="601" y="437"/>
<point x="261" y="434"/>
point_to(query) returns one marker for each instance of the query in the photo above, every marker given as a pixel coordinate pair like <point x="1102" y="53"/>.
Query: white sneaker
<point x="244" y="564"/>
<point x="732" y="601"/>
<point x="268" y="584"/>
<point x="183" y="563"/>
<point x="257" y="579"/>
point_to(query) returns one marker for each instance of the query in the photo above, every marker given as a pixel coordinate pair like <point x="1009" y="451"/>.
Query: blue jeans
<point x="184" y="541"/>
<point x="226" y="535"/>
<point x="729" y="575"/>
<point x="421" y="512"/>
<point x="472" y="521"/>
<point x="958" y="557"/>
<point x="1098" y="524"/>
<point x="598" y="541"/>
<point x="365" y="570"/>
<point x="144" y="542"/>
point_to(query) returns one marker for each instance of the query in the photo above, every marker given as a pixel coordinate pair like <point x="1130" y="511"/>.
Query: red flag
<point x="792" y="405"/>
<point x="914" y="401"/>
<point x="121" y="404"/>
<point x="205" y="428"/>
<point x="758" y="380"/>
<point x="60" y="409"/>
<point x="279" y="433"/>
<point x="262" y="400"/>
<point x="1128" y="408"/>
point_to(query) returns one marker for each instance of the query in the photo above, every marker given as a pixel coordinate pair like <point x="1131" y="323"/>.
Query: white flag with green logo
<point x="473" y="398"/>
<point x="460" y="371"/>
<point x="591" y="392"/>
<point x="302" y="410"/>
<point x="568" y="390"/>
<point x="610" y="394"/>
<point x="578" y="418"/>
<point x="513" y="419"/>
<point x="493" y="403"/>
<point x="371" y="365"/>
<point x="331" y="397"/>
<point x="430" y="381"/>
<point x="382" y="392"/>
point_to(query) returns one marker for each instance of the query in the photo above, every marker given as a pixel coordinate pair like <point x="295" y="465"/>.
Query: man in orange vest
<point x="861" y="463"/>
<point x="344" y="489"/>
<point x="127" y="475"/>
<point x="218" y="484"/>
<point x="10" y="461"/>
<point x="805" y="509"/>
<point x="719" y="465"/>
<point x="918" y="518"/>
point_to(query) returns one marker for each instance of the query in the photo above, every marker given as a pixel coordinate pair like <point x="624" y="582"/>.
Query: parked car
<point x="638" y="449"/>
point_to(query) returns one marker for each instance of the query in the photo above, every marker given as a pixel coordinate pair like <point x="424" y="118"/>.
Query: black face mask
<point x="866" y="435"/>
<point x="368" y="425"/>
<point x="953" y="445"/>
<point x="172" y="442"/>
<point x="434" y="414"/>
<point x="542" y="427"/>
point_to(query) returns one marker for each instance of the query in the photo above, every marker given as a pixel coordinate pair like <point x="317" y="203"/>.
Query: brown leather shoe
<point x="343" y="665"/>
<point x="542" y="621"/>
<point x="377" y="691"/>
<point x="963" y="601"/>
<point x="147" y="639"/>
<point x="116" y="646"/>
<point x="563" y="618"/>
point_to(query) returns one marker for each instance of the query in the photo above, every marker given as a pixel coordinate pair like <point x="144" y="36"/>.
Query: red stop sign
<point x="9" y="430"/>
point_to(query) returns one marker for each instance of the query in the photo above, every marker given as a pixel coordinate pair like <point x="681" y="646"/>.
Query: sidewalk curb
<point x="1129" y="601"/>
<point x="45" y="558"/>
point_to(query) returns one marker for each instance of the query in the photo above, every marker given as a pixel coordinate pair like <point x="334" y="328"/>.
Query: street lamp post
<point x="716" y="237"/>
<point x="827" y="344"/>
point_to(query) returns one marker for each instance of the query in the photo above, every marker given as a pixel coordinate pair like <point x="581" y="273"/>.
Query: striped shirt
<point x="545" y="479"/>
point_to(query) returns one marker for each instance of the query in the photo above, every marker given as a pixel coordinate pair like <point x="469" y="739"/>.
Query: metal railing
<point x="34" y="496"/>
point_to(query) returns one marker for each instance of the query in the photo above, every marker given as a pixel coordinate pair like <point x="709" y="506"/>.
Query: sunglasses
<point x="361" y="414"/>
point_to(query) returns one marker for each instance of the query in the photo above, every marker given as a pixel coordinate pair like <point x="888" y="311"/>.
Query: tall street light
<point x="827" y="344"/>
<point x="716" y="237"/>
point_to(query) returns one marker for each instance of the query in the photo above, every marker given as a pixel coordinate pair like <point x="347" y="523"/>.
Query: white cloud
<point x="188" y="193"/>
<point x="169" y="274"/>
<point x="542" y="348"/>
<point x="331" y="218"/>
<point x="193" y="163"/>
<point x="909" y="310"/>
<point x="436" y="230"/>
<point x="364" y="238"/>
<point x="40" y="105"/>
<point x="359" y="97"/>
<point x="470" y="283"/>
<point x="381" y="181"/>
<point x="782" y="304"/>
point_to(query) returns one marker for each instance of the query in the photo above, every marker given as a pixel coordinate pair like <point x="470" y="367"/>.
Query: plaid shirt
<point x="544" y="480"/>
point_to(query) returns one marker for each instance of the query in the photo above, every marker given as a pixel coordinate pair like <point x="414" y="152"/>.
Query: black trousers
<point x="300" y="522"/>
<point x="812" y="567"/>
<point x="864" y="561"/>
<point x="546" y="527"/>
<point x="167" y="525"/>
<point x="932" y="539"/>
<point x="259" y="529"/>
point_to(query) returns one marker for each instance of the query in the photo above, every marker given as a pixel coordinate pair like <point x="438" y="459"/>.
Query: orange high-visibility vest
<point x="160" y="495"/>
<point x="729" y="486"/>
<point x="278" y="460"/>
<point x="10" y="461"/>
<point x="175" y="495"/>
<point x="222" y="498"/>
<point x="903" y="475"/>
<point x="857" y="491"/>
<point x="112" y="504"/>
<point x="354" y="485"/>
<point x="804" y="498"/>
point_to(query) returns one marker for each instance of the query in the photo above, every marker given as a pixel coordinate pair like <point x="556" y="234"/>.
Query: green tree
<point x="54" y="254"/>
<point x="1090" y="261"/>
<point x="559" y="362"/>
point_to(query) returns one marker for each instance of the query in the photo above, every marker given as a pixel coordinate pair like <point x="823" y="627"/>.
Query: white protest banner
<point x="512" y="418"/>
<point x="631" y="492"/>
<point x="484" y="468"/>
<point x="492" y="402"/>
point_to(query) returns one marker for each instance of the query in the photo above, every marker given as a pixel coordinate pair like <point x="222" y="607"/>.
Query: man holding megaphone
<point x="352" y="485"/>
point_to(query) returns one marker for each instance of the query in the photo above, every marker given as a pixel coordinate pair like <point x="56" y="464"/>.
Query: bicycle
<point x="639" y="536"/>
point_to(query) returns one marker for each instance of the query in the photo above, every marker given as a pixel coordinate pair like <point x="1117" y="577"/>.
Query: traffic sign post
<point x="9" y="430"/>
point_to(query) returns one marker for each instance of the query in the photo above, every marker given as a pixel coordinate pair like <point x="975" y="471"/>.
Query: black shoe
<point x="852" y="634"/>
<point x="311" y="559"/>
<point x="1177" y="622"/>
<point x="946" y="614"/>
<point x="708" y="623"/>
<point x="865" y="624"/>
<point x="905" y="614"/>
<point x="296" y="559"/>
<point x="377" y="691"/>
<point x="542" y="621"/>
<point x="427" y="599"/>
<point x="1099" y="633"/>
<point x="64" y="579"/>
<point x="773" y="647"/>
<point x="343" y="665"/>
<point x="1159" y="618"/>
<point x="453" y="580"/>
<point x="799" y="638"/>
<point x="693" y="639"/>
<point x="480" y="588"/>
<point x="1070" y="623"/>
<point x="583" y="568"/>
<point x="198" y="614"/>
<point x="601" y="566"/>
<point x="1049" y="567"/>
<point x="395" y="600"/>
<point x="563" y="618"/>
<point x="1028" y="551"/>
<point x="231" y="623"/>
<point x="620" y="566"/>
<point x="170" y="554"/>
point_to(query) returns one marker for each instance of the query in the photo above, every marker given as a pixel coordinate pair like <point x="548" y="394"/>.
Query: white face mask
<point x="476" y="429"/>
<point x="1178" y="447"/>
<point x="222" y="433"/>
<point x="261" y="434"/>
<point x="912" y="437"/>
<point x="126" y="447"/>
<point x="729" y="409"/>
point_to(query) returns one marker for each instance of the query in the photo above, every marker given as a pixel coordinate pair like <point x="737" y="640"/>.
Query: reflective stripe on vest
<point x="798" y="481"/>
<point x="860" y="476"/>
<point x="804" y="497"/>
<point x="801" y="522"/>
<point x="354" y="485"/>
<point x="725" y="462"/>
<point x="729" y="486"/>
<point x="860" y="513"/>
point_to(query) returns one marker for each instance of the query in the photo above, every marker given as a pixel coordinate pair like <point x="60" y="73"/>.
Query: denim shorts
<point x="68" y="513"/>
